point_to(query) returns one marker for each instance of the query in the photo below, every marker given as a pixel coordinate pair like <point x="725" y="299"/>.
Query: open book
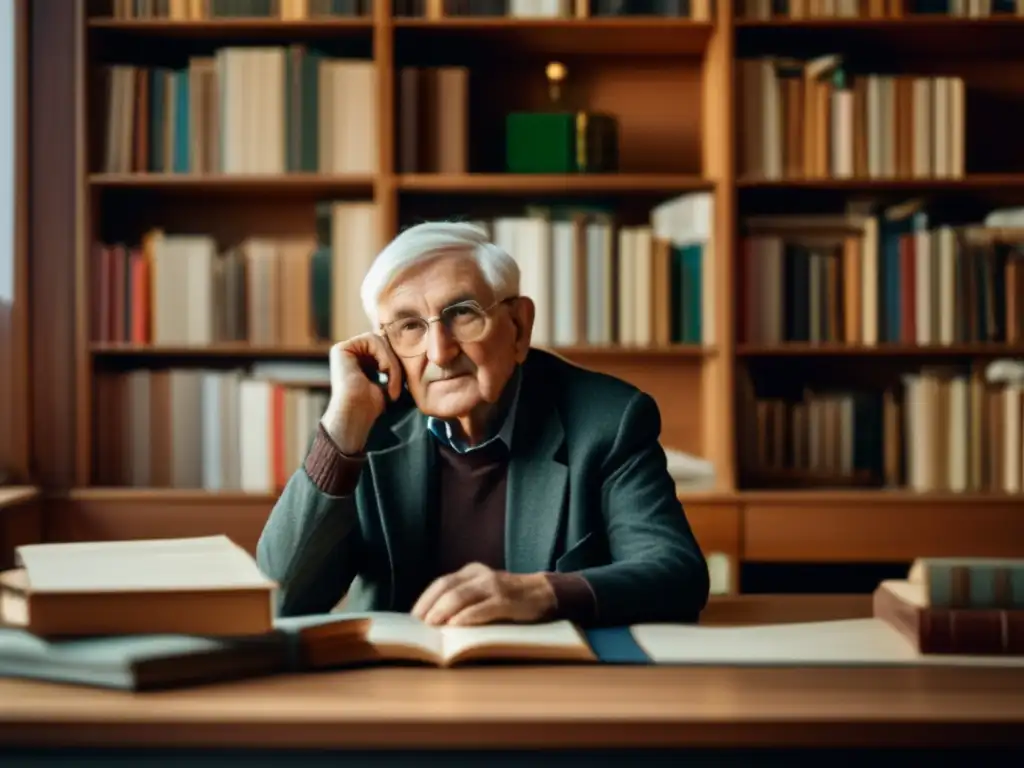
<point x="339" y="640"/>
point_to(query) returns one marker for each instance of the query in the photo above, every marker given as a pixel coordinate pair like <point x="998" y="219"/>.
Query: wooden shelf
<point x="259" y="29"/>
<point x="243" y="351"/>
<point x="650" y="36"/>
<point x="833" y="526"/>
<point x="881" y="350"/>
<point x="878" y="526"/>
<point x="240" y="351"/>
<point x="903" y="24"/>
<point x="671" y="82"/>
<point x="15" y="495"/>
<point x="973" y="182"/>
<point x="235" y="184"/>
<point x="915" y="35"/>
<point x="543" y="184"/>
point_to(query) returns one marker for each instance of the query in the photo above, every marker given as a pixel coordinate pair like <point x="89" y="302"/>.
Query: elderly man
<point x="484" y="481"/>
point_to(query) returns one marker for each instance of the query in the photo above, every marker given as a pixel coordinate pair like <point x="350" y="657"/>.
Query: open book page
<point x="846" y="642"/>
<point x="212" y="562"/>
<point x="401" y="636"/>
<point x="554" y="641"/>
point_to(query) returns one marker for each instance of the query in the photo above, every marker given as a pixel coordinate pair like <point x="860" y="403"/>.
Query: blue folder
<point x="616" y="645"/>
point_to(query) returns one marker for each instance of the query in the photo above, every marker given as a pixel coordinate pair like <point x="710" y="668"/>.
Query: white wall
<point x="7" y="121"/>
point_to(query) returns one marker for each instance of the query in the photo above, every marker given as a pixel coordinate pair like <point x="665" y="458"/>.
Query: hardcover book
<point x="935" y="611"/>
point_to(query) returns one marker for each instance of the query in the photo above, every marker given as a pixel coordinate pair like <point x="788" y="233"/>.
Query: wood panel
<point x="718" y="164"/>
<point x="113" y="515"/>
<point x="869" y="527"/>
<point x="53" y="221"/>
<point x="21" y="521"/>
<point x="715" y="523"/>
<point x="738" y="610"/>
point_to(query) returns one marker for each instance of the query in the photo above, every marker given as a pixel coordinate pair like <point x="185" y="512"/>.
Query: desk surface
<point x="548" y="707"/>
<point x="531" y="707"/>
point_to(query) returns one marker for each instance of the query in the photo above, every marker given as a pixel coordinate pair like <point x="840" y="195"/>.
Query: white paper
<point x="847" y="642"/>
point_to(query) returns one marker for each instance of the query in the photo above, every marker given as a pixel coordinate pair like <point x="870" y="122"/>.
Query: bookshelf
<point x="675" y="83"/>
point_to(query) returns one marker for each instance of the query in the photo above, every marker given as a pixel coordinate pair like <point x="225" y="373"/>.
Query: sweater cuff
<point x="332" y="471"/>
<point x="575" y="598"/>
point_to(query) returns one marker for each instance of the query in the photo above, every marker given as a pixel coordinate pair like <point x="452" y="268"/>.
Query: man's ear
<point x="522" y="312"/>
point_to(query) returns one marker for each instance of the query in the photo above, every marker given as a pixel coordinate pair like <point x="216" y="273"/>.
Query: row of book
<point x="939" y="430"/>
<point x="597" y="281"/>
<point x="201" y="10"/>
<point x="433" y="120"/>
<point x="201" y="429"/>
<point x="266" y="110"/>
<point x="293" y="10"/>
<point x="592" y="280"/>
<point x="818" y="119"/>
<point x="764" y="10"/>
<point x="872" y="277"/>
<point x="297" y="10"/>
<point x="188" y="290"/>
<point x="697" y="10"/>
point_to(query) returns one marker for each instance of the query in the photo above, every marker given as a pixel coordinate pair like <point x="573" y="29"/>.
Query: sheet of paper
<point x="213" y="562"/>
<point x="848" y="642"/>
<point x="556" y="634"/>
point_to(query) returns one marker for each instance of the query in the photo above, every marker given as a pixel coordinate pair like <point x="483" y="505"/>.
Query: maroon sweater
<point x="469" y="516"/>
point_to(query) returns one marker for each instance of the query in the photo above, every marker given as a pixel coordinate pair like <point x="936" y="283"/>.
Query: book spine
<point x="972" y="631"/>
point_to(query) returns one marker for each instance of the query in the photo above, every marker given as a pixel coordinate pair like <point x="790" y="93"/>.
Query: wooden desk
<point x="501" y="708"/>
<point x="649" y="715"/>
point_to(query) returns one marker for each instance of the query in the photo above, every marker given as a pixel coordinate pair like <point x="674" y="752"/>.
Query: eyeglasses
<point x="465" y="322"/>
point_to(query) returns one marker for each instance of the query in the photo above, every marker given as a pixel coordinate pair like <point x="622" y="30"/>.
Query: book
<point x="140" y="662"/>
<point x="839" y="643"/>
<point x="970" y="582"/>
<point x="906" y="606"/>
<point x="206" y="586"/>
<point x="378" y="637"/>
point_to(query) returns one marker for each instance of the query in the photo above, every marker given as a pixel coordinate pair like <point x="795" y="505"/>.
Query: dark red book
<point x="966" y="631"/>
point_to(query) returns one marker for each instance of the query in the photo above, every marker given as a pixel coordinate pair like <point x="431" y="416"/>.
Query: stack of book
<point x="149" y="614"/>
<point x="970" y="606"/>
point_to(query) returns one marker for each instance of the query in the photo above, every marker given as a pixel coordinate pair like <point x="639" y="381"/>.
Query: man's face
<point x="451" y="379"/>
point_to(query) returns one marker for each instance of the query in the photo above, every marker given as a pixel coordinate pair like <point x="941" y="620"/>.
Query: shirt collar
<point x="443" y="431"/>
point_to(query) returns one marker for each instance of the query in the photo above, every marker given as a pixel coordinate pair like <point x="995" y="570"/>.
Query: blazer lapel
<point x="402" y="481"/>
<point x="537" y="482"/>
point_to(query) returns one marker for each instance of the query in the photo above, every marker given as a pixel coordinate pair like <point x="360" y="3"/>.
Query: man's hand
<point x="356" y="401"/>
<point x="478" y="595"/>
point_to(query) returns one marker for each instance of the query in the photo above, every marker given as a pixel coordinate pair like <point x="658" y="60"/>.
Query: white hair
<point x="428" y="240"/>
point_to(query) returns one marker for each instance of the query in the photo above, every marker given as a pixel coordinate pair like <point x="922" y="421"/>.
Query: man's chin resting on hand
<point x="478" y="480"/>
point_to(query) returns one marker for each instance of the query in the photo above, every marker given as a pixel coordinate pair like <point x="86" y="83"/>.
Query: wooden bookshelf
<point x="673" y="82"/>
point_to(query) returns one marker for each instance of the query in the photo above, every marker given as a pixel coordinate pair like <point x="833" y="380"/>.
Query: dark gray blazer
<point x="588" y="492"/>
